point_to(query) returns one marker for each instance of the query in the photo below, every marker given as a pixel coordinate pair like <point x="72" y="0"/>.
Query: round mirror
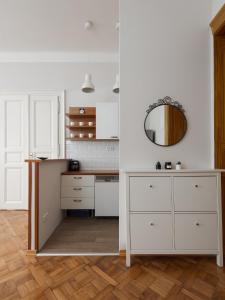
<point x="165" y="125"/>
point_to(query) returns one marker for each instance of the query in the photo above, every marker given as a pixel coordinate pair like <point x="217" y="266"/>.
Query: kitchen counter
<point x="38" y="161"/>
<point x="93" y="172"/>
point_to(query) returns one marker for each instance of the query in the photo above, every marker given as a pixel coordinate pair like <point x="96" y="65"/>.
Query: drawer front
<point x="195" y="193"/>
<point x="196" y="232"/>
<point x="77" y="180"/>
<point x="77" y="203"/>
<point x="151" y="231"/>
<point x="150" y="194"/>
<point x="68" y="191"/>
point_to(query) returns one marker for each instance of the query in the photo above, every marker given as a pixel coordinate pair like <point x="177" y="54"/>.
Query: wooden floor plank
<point x="52" y="278"/>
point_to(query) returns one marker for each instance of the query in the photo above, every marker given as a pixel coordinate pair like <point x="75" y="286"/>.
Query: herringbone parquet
<point x="23" y="277"/>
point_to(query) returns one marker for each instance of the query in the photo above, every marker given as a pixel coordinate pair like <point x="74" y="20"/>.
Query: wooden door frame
<point x="218" y="30"/>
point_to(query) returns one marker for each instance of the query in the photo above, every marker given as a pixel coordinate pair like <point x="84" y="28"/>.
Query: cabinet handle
<point x="151" y="224"/>
<point x="77" y="177"/>
<point x="76" y="200"/>
<point x="77" y="189"/>
<point x="196" y="185"/>
<point x="114" y="137"/>
<point x="151" y="186"/>
<point x="197" y="223"/>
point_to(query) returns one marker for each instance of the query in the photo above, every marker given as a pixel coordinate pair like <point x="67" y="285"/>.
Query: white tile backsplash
<point x="94" y="155"/>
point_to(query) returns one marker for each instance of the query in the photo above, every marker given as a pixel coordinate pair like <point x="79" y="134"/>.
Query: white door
<point x="107" y="120"/>
<point x="44" y="125"/>
<point x="13" y="151"/>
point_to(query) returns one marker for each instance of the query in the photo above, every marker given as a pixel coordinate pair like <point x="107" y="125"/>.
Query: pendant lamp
<point x="88" y="86"/>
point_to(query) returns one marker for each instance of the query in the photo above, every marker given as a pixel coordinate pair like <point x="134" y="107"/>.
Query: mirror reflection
<point x="165" y="125"/>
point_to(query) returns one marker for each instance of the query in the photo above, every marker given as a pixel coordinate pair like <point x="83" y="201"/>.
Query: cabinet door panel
<point x="150" y="194"/>
<point x="107" y="120"/>
<point x="151" y="231"/>
<point x="196" y="231"/>
<point x="195" y="193"/>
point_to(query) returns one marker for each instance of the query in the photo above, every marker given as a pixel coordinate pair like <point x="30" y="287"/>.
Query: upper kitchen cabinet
<point x="107" y="120"/>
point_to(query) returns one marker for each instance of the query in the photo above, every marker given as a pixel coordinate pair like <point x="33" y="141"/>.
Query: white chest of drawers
<point x="174" y="212"/>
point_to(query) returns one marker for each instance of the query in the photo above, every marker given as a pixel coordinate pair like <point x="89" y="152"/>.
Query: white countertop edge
<point x="172" y="171"/>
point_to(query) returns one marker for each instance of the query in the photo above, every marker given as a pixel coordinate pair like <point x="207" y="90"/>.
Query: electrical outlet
<point x="44" y="217"/>
<point x="110" y="148"/>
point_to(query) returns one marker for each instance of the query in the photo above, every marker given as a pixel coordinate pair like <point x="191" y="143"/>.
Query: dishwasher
<point x="107" y="196"/>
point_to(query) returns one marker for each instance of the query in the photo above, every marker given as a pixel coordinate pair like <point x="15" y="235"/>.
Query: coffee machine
<point x="74" y="165"/>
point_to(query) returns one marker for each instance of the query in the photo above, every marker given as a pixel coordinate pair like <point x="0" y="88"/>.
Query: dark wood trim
<point x="218" y="22"/>
<point x="122" y="253"/>
<point x="29" y="203"/>
<point x="31" y="252"/>
<point x="218" y="28"/>
<point x="36" y="207"/>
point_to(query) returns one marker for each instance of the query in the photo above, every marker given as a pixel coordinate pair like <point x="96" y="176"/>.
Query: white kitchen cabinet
<point x="77" y="192"/>
<point x="174" y="212"/>
<point x="107" y="120"/>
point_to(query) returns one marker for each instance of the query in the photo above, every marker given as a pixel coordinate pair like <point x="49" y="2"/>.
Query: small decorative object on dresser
<point x="178" y="165"/>
<point x="158" y="166"/>
<point x="184" y="215"/>
<point x="168" y="165"/>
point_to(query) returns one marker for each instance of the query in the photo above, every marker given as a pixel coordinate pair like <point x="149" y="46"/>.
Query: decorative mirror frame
<point x="165" y="101"/>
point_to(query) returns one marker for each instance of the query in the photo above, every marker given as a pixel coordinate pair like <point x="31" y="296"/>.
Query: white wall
<point x="69" y="77"/>
<point x="217" y="4"/>
<point x="164" y="51"/>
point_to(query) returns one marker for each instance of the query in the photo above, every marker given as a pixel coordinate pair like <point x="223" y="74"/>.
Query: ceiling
<point x="58" y="25"/>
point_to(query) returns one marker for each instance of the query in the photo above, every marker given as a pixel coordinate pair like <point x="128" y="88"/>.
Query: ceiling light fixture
<point x="88" y="86"/>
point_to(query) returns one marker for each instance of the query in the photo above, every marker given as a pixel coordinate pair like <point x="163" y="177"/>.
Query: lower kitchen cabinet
<point x="187" y="221"/>
<point x="99" y="193"/>
<point x="77" y="192"/>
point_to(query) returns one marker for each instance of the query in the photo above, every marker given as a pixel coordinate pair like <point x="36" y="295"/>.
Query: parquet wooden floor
<point x="23" y="277"/>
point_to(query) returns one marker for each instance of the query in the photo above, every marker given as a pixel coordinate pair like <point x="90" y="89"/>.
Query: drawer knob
<point x="197" y="223"/>
<point x="77" y="189"/>
<point x="196" y="185"/>
<point x="77" y="177"/>
<point x="151" y="224"/>
<point x="76" y="200"/>
<point x="151" y="186"/>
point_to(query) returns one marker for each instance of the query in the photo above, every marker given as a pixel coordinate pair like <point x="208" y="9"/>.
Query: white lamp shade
<point x="88" y="86"/>
<point x="116" y="87"/>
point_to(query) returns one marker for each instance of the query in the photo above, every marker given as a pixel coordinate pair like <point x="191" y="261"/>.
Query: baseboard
<point x="122" y="252"/>
<point x="31" y="252"/>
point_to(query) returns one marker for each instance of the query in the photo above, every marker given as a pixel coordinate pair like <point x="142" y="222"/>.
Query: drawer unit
<point x="195" y="193"/>
<point x="196" y="231"/>
<point x="77" y="192"/>
<point x="151" y="231"/>
<point x="77" y="203"/>
<point x="174" y="212"/>
<point x="77" y="180"/>
<point x="150" y="194"/>
<point x="70" y="191"/>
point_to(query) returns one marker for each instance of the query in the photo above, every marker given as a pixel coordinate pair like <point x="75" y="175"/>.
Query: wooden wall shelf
<point x="75" y="129"/>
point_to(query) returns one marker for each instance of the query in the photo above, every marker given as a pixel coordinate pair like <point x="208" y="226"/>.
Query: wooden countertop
<point x="93" y="172"/>
<point x="38" y="161"/>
